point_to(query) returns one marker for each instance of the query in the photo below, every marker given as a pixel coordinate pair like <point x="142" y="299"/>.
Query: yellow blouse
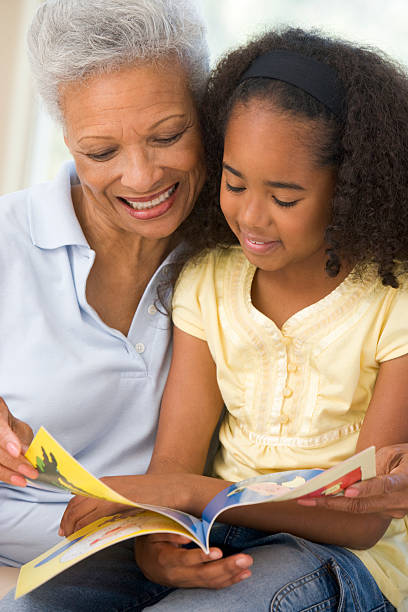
<point x="296" y="396"/>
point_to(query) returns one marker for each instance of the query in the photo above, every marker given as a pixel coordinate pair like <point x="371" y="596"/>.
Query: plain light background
<point x="32" y="147"/>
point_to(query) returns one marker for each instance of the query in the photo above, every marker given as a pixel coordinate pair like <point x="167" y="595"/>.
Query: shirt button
<point x="152" y="309"/>
<point x="292" y="367"/>
<point x="287" y="392"/>
<point x="140" y="347"/>
<point x="284" y="419"/>
<point x="286" y="340"/>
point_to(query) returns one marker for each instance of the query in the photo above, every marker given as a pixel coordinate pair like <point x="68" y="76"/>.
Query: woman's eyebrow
<point x="278" y="184"/>
<point x="178" y="115"/>
<point x="155" y="125"/>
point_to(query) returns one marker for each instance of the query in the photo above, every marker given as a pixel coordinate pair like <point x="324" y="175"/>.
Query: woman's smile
<point x="150" y="201"/>
<point x="151" y="207"/>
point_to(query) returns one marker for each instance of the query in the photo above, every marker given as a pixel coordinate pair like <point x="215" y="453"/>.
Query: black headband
<point x="317" y="79"/>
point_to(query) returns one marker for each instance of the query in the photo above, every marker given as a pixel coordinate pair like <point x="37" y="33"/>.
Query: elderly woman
<point x="86" y="343"/>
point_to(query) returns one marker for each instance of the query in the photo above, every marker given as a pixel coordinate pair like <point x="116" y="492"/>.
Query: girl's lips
<point x="153" y="211"/>
<point x="260" y="247"/>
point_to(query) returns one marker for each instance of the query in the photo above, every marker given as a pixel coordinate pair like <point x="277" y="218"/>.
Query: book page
<point x="90" y="539"/>
<point x="58" y="470"/>
<point x="284" y="486"/>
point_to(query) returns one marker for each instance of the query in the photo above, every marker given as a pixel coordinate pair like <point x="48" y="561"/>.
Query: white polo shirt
<point x="95" y="390"/>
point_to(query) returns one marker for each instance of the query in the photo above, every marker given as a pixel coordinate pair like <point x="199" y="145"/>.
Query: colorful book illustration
<point x="58" y="470"/>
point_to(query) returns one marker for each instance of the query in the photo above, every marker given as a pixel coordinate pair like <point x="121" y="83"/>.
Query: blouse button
<point x="292" y="367"/>
<point x="284" y="419"/>
<point x="152" y="309"/>
<point x="140" y="347"/>
<point x="287" y="392"/>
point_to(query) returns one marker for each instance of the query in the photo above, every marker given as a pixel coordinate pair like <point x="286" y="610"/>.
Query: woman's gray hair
<point x="71" y="40"/>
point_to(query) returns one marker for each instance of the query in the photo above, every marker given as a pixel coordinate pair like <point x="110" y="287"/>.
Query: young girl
<point x="296" y="322"/>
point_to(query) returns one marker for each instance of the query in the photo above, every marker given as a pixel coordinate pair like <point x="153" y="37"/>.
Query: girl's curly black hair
<point x="368" y="146"/>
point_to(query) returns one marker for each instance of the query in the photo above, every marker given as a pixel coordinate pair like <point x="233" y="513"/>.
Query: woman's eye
<point x="286" y="204"/>
<point x="104" y="155"/>
<point x="170" y="139"/>
<point x="233" y="189"/>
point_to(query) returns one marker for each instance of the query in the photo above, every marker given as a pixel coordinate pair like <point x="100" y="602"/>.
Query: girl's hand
<point x="82" y="511"/>
<point x="162" y="559"/>
<point x="154" y="489"/>
<point x="386" y="494"/>
<point x="15" y="437"/>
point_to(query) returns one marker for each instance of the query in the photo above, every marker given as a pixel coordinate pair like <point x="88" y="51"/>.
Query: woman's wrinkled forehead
<point x="130" y="91"/>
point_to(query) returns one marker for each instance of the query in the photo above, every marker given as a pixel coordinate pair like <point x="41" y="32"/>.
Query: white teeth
<point x="255" y="242"/>
<point x="151" y="203"/>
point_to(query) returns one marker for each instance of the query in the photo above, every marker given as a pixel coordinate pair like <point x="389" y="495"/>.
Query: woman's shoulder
<point x="13" y="214"/>
<point x="20" y="210"/>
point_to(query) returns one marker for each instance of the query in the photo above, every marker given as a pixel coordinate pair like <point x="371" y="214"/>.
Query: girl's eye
<point x="233" y="189"/>
<point x="103" y="156"/>
<point x="285" y="204"/>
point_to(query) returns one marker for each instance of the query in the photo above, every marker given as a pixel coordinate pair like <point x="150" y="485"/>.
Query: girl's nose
<point x="255" y="213"/>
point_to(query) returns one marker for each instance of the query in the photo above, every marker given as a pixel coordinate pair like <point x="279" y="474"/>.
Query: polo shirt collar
<point x="52" y="219"/>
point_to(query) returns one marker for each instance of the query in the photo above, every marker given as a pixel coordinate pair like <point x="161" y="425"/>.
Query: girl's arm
<point x="190" y="410"/>
<point x="385" y="426"/>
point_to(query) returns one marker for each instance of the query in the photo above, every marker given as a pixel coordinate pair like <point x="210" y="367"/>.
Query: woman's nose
<point x="141" y="172"/>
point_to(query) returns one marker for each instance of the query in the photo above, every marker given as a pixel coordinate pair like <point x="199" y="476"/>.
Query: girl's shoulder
<point x="204" y="277"/>
<point x="213" y="263"/>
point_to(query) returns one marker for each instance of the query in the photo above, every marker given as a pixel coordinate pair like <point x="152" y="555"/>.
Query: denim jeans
<point x="289" y="574"/>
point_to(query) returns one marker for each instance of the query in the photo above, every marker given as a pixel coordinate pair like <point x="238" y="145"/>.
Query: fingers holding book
<point x="386" y="494"/>
<point x="15" y="435"/>
<point x="163" y="559"/>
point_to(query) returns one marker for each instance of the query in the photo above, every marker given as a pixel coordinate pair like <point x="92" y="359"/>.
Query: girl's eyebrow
<point x="278" y="184"/>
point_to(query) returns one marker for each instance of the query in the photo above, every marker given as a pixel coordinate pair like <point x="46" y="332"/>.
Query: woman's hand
<point x="386" y="494"/>
<point x="162" y="559"/>
<point x="15" y="437"/>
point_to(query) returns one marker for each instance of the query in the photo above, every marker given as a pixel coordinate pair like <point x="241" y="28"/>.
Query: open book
<point x="58" y="470"/>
